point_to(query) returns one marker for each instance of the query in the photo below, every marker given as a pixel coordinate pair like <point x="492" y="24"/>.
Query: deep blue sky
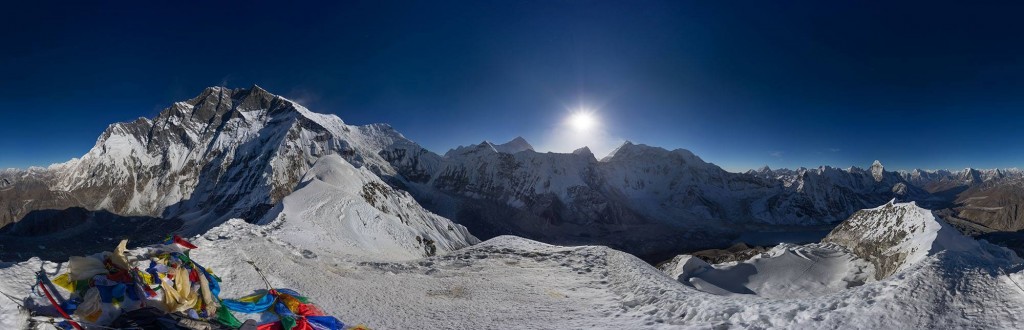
<point x="740" y="83"/>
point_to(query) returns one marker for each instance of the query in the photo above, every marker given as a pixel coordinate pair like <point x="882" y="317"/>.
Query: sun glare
<point x="582" y="120"/>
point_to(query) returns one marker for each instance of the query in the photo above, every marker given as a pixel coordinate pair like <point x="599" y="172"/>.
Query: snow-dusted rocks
<point x="896" y="236"/>
<point x="877" y="171"/>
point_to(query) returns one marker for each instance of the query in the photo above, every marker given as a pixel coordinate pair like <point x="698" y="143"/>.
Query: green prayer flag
<point x="287" y="322"/>
<point x="225" y="317"/>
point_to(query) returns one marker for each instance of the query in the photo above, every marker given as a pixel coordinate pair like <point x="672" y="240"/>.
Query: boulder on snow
<point x="736" y="252"/>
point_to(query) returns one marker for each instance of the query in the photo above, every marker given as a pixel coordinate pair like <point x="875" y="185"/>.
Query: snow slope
<point x="514" y="282"/>
<point x="345" y="210"/>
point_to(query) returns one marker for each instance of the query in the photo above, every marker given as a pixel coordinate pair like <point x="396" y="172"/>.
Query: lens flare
<point x="582" y="120"/>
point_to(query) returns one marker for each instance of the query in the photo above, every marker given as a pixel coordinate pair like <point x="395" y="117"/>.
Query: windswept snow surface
<point x="513" y="282"/>
<point x="786" y="271"/>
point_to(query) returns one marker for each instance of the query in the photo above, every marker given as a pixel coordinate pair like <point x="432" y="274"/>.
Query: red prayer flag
<point x="183" y="242"/>
<point x="309" y="310"/>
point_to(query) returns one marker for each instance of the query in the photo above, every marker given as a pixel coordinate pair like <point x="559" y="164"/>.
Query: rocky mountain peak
<point x="970" y="176"/>
<point x="630" y="152"/>
<point x="620" y="149"/>
<point x="205" y="115"/>
<point x="877" y="171"/>
<point x="482" y="147"/>
<point x="585" y="152"/>
<point x="516" y="145"/>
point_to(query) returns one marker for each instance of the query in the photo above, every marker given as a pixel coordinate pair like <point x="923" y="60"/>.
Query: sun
<point x="582" y="120"/>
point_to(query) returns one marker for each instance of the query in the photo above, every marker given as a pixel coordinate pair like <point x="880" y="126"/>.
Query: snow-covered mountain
<point x="940" y="180"/>
<point x="237" y="153"/>
<point x="228" y="153"/>
<point x="642" y="199"/>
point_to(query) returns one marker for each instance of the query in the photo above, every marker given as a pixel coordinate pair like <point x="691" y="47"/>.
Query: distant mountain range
<point x="238" y="153"/>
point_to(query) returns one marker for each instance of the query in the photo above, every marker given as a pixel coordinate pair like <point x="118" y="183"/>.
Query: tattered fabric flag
<point x="118" y="257"/>
<point x="84" y="268"/>
<point x="90" y="308"/>
<point x="325" y="322"/>
<point x="255" y="303"/>
<point x="225" y="317"/>
<point x="292" y="310"/>
<point x="286" y="317"/>
<point x="180" y="241"/>
<point x="307" y="323"/>
<point x="64" y="281"/>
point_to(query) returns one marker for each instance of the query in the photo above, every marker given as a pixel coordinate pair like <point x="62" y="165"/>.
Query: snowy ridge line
<point x="511" y="280"/>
